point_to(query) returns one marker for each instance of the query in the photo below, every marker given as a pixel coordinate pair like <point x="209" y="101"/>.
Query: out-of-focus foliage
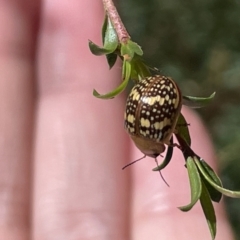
<point x="197" y="43"/>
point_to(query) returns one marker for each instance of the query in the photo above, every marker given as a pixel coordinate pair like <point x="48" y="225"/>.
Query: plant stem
<point x="117" y="23"/>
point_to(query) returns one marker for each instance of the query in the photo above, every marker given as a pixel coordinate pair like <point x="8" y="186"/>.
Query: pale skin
<point x="62" y="150"/>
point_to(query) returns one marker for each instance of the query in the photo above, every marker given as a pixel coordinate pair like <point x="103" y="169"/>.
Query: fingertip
<point x="155" y="205"/>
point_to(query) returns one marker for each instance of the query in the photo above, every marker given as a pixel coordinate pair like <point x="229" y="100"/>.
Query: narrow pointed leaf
<point x="126" y="73"/>
<point x="214" y="194"/>
<point x="226" y="192"/>
<point x="126" y="70"/>
<point x="197" y="102"/>
<point x="182" y="129"/>
<point x="97" y="50"/>
<point x="104" y="27"/>
<point x="111" y="59"/>
<point x="110" y="40"/>
<point x="129" y="49"/>
<point x="195" y="184"/>
<point x="211" y="172"/>
<point x="113" y="93"/>
<point x="139" y="69"/>
<point x="135" y="48"/>
<point x="167" y="159"/>
<point x="208" y="210"/>
<point x="126" y="51"/>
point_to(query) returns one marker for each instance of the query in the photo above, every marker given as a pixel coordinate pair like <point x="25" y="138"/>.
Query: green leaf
<point x="197" y="102"/>
<point x="126" y="72"/>
<point x="167" y="159"/>
<point x="113" y="93"/>
<point x="104" y="27"/>
<point x="208" y="210"/>
<point x="195" y="184"/>
<point x="110" y="40"/>
<point x="111" y="59"/>
<point x="211" y="172"/>
<point x="182" y="129"/>
<point x="135" y="48"/>
<point x="208" y="177"/>
<point x="129" y="49"/>
<point x="139" y="69"/>
<point x="126" y="51"/>
<point x="97" y="50"/>
<point x="215" y="195"/>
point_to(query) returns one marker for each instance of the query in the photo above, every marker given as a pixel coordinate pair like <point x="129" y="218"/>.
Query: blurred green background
<point x="197" y="43"/>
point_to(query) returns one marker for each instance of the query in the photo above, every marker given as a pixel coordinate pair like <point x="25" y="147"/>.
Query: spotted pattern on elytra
<point x="152" y="108"/>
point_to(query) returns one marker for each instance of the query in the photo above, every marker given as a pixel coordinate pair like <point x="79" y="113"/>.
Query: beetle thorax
<point x="148" y="147"/>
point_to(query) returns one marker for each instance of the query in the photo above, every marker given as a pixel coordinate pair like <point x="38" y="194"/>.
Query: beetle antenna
<point x="161" y="173"/>
<point x="133" y="162"/>
<point x="129" y="164"/>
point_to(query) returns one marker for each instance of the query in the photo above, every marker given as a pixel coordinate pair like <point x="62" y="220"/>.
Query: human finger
<point x="18" y="29"/>
<point x="80" y="189"/>
<point x="155" y="214"/>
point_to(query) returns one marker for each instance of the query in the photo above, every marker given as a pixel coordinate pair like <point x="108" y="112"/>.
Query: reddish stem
<point x="117" y="23"/>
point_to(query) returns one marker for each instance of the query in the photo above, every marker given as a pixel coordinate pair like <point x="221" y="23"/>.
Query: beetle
<point x="152" y="110"/>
